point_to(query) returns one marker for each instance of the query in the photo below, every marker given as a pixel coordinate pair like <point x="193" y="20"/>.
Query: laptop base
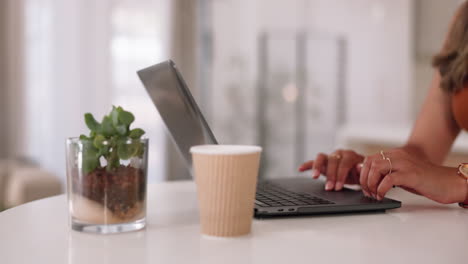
<point x="306" y="196"/>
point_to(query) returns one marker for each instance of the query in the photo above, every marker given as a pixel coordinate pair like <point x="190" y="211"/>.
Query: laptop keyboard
<point x="271" y="195"/>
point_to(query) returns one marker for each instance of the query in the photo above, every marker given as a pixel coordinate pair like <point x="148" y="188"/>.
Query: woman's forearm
<point x="435" y="129"/>
<point x="416" y="150"/>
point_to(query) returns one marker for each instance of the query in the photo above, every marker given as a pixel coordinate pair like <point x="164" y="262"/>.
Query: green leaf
<point x="90" y="157"/>
<point x="99" y="141"/>
<point x="104" y="151"/>
<point x="121" y="130"/>
<point x="136" y="133"/>
<point x="90" y="165"/>
<point x="115" y="116"/>
<point x="126" y="118"/>
<point x="92" y="124"/>
<point x="128" y="150"/>
<point x="107" y="129"/>
<point x="115" y="129"/>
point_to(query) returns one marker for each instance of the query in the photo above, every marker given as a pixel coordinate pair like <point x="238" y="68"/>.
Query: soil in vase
<point x="120" y="192"/>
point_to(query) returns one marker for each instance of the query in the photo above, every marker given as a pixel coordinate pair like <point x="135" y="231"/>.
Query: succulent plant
<point x="111" y="139"/>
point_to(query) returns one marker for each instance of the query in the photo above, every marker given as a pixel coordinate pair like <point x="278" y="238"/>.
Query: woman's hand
<point x="340" y="167"/>
<point x="399" y="167"/>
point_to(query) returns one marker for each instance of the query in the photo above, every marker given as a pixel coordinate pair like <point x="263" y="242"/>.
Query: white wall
<point x="379" y="66"/>
<point x="77" y="58"/>
<point x="378" y="85"/>
<point x="234" y="70"/>
<point x="378" y="33"/>
<point x="61" y="64"/>
<point x="432" y="23"/>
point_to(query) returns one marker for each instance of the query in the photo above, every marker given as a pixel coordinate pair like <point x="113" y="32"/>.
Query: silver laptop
<point x="276" y="197"/>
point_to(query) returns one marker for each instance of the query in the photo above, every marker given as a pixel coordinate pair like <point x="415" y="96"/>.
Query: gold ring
<point x="391" y="165"/>
<point x="383" y="155"/>
<point x="335" y="156"/>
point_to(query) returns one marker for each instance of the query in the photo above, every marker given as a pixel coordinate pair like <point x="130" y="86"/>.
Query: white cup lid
<point x="225" y="149"/>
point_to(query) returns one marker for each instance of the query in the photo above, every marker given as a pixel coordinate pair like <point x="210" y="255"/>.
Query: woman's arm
<point x="416" y="166"/>
<point x="435" y="129"/>
<point x="433" y="134"/>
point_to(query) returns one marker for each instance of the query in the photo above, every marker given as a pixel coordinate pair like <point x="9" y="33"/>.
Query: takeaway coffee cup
<point x="226" y="178"/>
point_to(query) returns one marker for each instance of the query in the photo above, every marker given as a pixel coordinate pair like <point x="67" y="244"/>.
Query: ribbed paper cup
<point x="226" y="177"/>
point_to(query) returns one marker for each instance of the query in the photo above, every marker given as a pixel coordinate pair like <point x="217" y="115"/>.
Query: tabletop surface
<point x="419" y="232"/>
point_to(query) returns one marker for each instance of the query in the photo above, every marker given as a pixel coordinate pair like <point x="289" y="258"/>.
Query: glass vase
<point x="106" y="185"/>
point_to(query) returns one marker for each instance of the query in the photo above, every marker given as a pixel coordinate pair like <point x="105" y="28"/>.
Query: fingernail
<point x="315" y="173"/>
<point x="329" y="186"/>
<point x="366" y="193"/>
<point x="338" y="186"/>
<point x="379" y="197"/>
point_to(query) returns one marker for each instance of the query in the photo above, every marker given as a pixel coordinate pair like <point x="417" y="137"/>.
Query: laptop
<point x="291" y="196"/>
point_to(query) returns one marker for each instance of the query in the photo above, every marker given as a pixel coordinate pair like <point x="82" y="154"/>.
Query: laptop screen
<point x="177" y="108"/>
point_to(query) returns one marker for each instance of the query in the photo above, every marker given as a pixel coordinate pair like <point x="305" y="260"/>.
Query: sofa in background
<point x="22" y="182"/>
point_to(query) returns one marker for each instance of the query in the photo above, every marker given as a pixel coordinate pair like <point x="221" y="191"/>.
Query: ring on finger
<point x="383" y="155"/>
<point x="391" y="165"/>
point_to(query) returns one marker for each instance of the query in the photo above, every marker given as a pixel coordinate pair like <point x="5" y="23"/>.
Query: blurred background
<point x="297" y="77"/>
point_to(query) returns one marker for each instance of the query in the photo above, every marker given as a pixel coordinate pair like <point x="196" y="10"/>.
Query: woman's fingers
<point x="387" y="183"/>
<point x="379" y="168"/>
<point x="306" y="166"/>
<point x="319" y="165"/>
<point x="359" y="167"/>
<point x="343" y="172"/>
<point x="366" y="166"/>
<point x="345" y="166"/>
<point x="332" y="170"/>
<point x="353" y="176"/>
<point x="338" y="167"/>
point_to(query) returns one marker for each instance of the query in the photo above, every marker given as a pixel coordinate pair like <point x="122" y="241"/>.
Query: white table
<point x="419" y="232"/>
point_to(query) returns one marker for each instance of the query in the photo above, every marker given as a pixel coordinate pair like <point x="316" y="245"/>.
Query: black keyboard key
<point x="261" y="204"/>
<point x="276" y="196"/>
